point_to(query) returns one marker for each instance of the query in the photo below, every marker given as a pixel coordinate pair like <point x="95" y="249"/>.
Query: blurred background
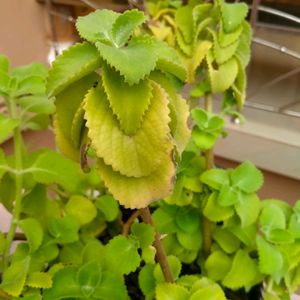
<point x="36" y="30"/>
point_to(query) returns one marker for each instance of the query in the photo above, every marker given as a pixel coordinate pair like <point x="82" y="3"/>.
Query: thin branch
<point x="160" y="251"/>
<point x="127" y="225"/>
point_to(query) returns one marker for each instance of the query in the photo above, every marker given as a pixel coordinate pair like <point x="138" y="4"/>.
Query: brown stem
<point x="4" y="296"/>
<point x="160" y="251"/>
<point x="209" y="164"/>
<point x="129" y="222"/>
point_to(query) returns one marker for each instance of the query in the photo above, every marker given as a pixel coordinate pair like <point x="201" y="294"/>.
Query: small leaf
<point x="127" y="60"/>
<point x="2" y="166"/>
<point x="31" y="85"/>
<point x="244" y="50"/>
<point x="190" y="241"/>
<point x="64" y="285"/>
<point x="89" y="277"/>
<point x="75" y="62"/>
<point x="203" y="140"/>
<point x="64" y="230"/>
<point x="229" y="196"/>
<point x="34" y="69"/>
<point x="97" y="26"/>
<point x="33" y="232"/>
<point x="144" y="233"/>
<point x="164" y="219"/>
<point x="215" y="178"/>
<point x="14" y="277"/>
<point x="121" y="255"/>
<point x="168" y="291"/>
<point x="188" y="219"/>
<point x="146" y="279"/>
<point x="38" y="104"/>
<point x="270" y="258"/>
<point x="279" y="236"/>
<point x="247" y="177"/>
<point x="184" y="22"/>
<point x="4" y="63"/>
<point x="52" y="167"/>
<point x="218" y="265"/>
<point x="175" y="268"/>
<point x="237" y="277"/>
<point x="81" y="208"/>
<point x="108" y="206"/>
<point x="272" y="217"/>
<point x="71" y="254"/>
<point x="39" y="280"/>
<point x="212" y="292"/>
<point x="125" y="24"/>
<point x="227" y="241"/>
<point x="7" y="126"/>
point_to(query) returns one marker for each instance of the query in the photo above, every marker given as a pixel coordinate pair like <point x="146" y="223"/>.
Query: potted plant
<point x="94" y="225"/>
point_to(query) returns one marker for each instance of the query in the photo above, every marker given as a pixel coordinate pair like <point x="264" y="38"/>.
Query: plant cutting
<point x="136" y="209"/>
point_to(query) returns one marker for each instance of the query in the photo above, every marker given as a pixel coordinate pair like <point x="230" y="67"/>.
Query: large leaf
<point x="14" y="277"/>
<point x="139" y="192"/>
<point x="133" y="62"/>
<point x="136" y="155"/>
<point x="33" y="232"/>
<point x="97" y="26"/>
<point x="237" y="277"/>
<point x="125" y="24"/>
<point x="7" y="126"/>
<point x="168" y="291"/>
<point x="128" y="103"/>
<point x="121" y="255"/>
<point x="270" y="258"/>
<point x="75" y="62"/>
<point x="247" y="177"/>
<point x="51" y="167"/>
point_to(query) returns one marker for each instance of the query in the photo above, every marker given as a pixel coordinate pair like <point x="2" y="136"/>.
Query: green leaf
<point x="125" y="24"/>
<point x="38" y="122"/>
<point x="227" y="241"/>
<point x="245" y="234"/>
<point x="171" y="291"/>
<point x="128" y="103"/>
<point x="244" y="50"/>
<point x="127" y="60"/>
<point x="188" y="219"/>
<point x="121" y="255"/>
<point x="144" y="233"/>
<point x="146" y="279"/>
<point x="34" y="69"/>
<point x="272" y="217"/>
<point x="247" y="177"/>
<point x="81" y="208"/>
<point x="31" y="85"/>
<point x="226" y="39"/>
<point x="153" y="135"/>
<point x="218" y="265"/>
<point x="112" y="287"/>
<point x="203" y="140"/>
<point x="270" y="258"/>
<point x="248" y="209"/>
<point x="215" y="178"/>
<point x="214" y="211"/>
<point x="97" y="26"/>
<point x="279" y="236"/>
<point x="184" y="22"/>
<point x="108" y="206"/>
<point x="237" y="277"/>
<point x="33" y="232"/>
<point x="89" y="278"/>
<point x="51" y="167"/>
<point x="164" y="219"/>
<point x="7" y="126"/>
<point x="4" y="63"/>
<point x="190" y="241"/>
<point x="39" y="280"/>
<point x="71" y="254"/>
<point x="75" y="62"/>
<point x="233" y="14"/>
<point x="229" y="196"/>
<point x="2" y="243"/>
<point x="14" y="277"/>
<point x="64" y="230"/>
<point x="223" y="77"/>
<point x="64" y="285"/>
<point x="211" y="292"/>
<point x="294" y="226"/>
<point x="37" y="104"/>
<point x="175" y="268"/>
<point x="4" y="84"/>
<point x="2" y="166"/>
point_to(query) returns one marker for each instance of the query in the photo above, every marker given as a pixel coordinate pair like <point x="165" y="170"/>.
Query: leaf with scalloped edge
<point x="128" y="102"/>
<point x="63" y="143"/>
<point x="240" y="84"/>
<point x="185" y="23"/>
<point x="139" y="192"/>
<point x="223" y="54"/>
<point x="244" y="49"/>
<point x="233" y="14"/>
<point x="211" y="292"/>
<point x="68" y="101"/>
<point x="74" y="63"/>
<point x="125" y="25"/>
<point x="179" y="112"/>
<point x="40" y="280"/>
<point x="226" y="39"/>
<point x="243" y="271"/>
<point x="187" y="49"/>
<point x="134" y="61"/>
<point x="223" y="77"/>
<point x="194" y="62"/>
<point x="136" y="155"/>
<point x="97" y="26"/>
<point x="171" y="291"/>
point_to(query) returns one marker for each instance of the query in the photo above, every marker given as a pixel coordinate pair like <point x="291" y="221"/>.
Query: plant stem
<point x="4" y="296"/>
<point x="160" y="251"/>
<point x="18" y="148"/>
<point x="129" y="222"/>
<point x="209" y="164"/>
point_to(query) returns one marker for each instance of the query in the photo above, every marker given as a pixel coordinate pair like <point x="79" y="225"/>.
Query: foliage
<point x="122" y="124"/>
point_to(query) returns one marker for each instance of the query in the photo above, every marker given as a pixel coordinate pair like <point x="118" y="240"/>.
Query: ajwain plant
<point x="136" y="208"/>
